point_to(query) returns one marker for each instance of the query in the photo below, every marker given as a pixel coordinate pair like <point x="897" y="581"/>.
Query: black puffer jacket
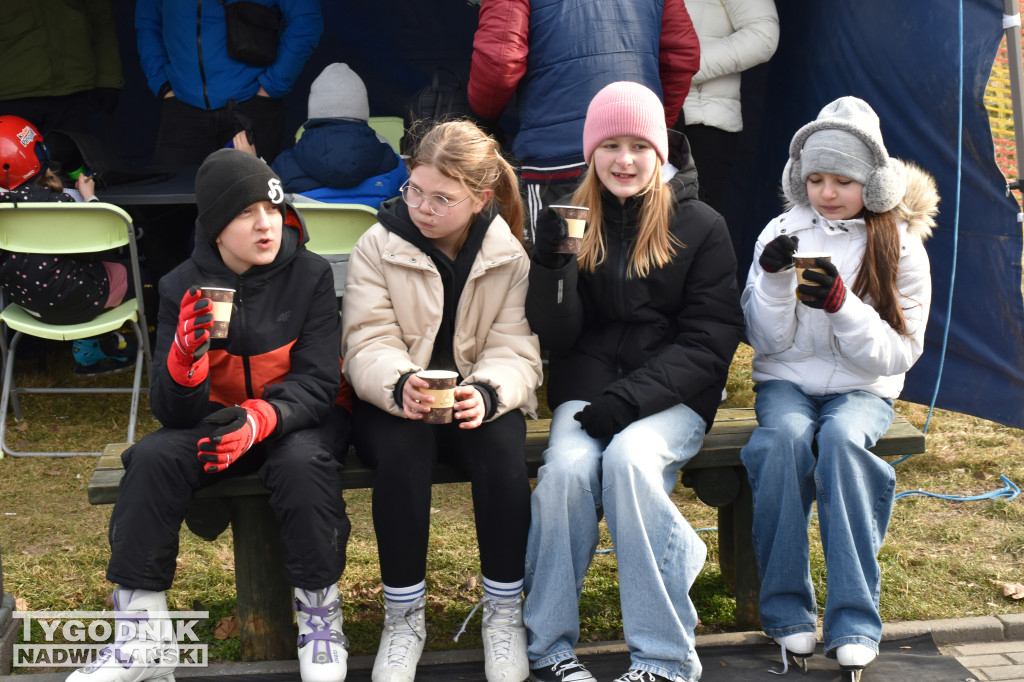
<point x="283" y="345"/>
<point x="665" y="339"/>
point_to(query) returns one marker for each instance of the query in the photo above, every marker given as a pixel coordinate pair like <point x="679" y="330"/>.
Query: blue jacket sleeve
<point x="303" y="24"/>
<point x="150" y="38"/>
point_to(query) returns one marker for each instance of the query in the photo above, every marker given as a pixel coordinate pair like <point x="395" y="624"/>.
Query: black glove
<point x="549" y="233"/>
<point x="606" y="416"/>
<point x="829" y="293"/>
<point x="778" y="254"/>
<point x="105" y="99"/>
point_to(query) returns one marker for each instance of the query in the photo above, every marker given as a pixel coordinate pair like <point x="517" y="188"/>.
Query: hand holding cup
<point x="430" y="395"/>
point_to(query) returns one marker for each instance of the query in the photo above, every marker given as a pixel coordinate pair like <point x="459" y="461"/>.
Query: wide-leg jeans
<point x="854" y="490"/>
<point x="628" y="478"/>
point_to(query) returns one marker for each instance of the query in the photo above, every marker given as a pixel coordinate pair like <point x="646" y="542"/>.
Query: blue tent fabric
<point x="899" y="55"/>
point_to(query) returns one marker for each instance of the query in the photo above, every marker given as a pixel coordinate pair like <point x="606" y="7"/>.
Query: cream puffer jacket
<point x="853" y="348"/>
<point x="392" y="309"/>
<point x="734" y="36"/>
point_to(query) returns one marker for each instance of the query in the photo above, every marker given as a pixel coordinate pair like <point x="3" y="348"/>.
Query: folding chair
<point x="333" y="230"/>
<point x="392" y="128"/>
<point x="66" y="228"/>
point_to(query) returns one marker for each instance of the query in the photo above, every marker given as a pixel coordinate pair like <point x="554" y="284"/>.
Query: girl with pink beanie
<point x="640" y="327"/>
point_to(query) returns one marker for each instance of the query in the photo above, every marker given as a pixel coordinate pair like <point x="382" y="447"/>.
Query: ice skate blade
<point x="851" y="674"/>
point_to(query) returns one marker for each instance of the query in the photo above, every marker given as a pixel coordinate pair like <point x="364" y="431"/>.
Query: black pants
<point x="301" y="470"/>
<point x="714" y="151"/>
<point x="189" y="134"/>
<point x="402" y="453"/>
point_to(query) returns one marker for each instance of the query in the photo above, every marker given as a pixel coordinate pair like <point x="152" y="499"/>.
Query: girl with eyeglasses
<point x="440" y="283"/>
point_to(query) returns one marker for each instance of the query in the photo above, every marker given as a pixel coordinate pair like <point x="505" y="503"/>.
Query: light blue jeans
<point x="629" y="478"/>
<point x="854" y="490"/>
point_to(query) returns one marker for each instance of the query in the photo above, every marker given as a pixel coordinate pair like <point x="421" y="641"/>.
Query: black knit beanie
<point x="228" y="181"/>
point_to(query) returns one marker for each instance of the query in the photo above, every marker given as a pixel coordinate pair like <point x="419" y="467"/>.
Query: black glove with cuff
<point x="829" y="292"/>
<point x="606" y="416"/>
<point x="550" y="231"/>
<point x="778" y="254"/>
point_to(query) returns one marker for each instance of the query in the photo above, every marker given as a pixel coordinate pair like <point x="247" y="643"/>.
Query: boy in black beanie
<point x="266" y="399"/>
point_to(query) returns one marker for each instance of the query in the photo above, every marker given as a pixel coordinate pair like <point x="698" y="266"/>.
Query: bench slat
<point x="722" y="446"/>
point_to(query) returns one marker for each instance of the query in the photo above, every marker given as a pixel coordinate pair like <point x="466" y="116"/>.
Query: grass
<point x="939" y="560"/>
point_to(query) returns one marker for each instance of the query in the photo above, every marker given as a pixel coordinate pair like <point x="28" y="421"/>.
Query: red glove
<point x="241" y="427"/>
<point x="187" y="362"/>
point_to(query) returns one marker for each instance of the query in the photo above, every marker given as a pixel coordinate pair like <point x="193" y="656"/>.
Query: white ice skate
<point x="853" y="658"/>
<point x="144" y="647"/>
<point x="323" y="656"/>
<point x="800" y="646"/>
<point x="401" y="643"/>
<point x="504" y="637"/>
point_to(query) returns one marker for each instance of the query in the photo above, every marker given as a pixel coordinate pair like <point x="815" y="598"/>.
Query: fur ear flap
<point x="885" y="187"/>
<point x="794" y="188"/>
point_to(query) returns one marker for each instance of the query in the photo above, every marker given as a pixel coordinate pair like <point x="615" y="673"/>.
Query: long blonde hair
<point x="461" y="151"/>
<point x="654" y="246"/>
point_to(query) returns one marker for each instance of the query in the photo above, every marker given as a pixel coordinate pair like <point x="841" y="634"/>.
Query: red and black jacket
<point x="284" y="342"/>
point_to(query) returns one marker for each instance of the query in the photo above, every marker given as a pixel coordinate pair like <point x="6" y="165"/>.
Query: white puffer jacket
<point x="734" y="36"/>
<point x="853" y="348"/>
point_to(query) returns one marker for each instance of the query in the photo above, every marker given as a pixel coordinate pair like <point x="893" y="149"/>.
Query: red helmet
<point x="23" y="155"/>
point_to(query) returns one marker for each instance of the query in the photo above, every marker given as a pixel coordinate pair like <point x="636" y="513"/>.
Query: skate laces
<point x="401" y="640"/>
<point x="785" y="659"/>
<point x="500" y="625"/>
<point x="318" y="620"/>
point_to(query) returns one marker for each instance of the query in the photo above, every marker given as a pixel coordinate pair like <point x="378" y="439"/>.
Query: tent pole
<point x="1016" y="66"/>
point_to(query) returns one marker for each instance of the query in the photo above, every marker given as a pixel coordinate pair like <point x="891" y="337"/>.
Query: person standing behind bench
<point x="641" y="328"/>
<point x="440" y="283"/>
<point x="555" y="56"/>
<point x="828" y="363"/>
<point x="183" y="47"/>
<point x="262" y="400"/>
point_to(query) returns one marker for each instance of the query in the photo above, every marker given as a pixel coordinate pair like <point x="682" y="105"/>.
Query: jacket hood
<point x="336" y="153"/>
<point x="684" y="182"/>
<point x="919" y="205"/>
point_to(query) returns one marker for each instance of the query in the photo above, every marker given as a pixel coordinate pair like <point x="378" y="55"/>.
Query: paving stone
<point x="984" y="660"/>
<point x="982" y="648"/>
<point x="1006" y="672"/>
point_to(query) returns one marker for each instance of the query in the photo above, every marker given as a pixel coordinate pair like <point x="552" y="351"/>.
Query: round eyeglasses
<point x="438" y="205"/>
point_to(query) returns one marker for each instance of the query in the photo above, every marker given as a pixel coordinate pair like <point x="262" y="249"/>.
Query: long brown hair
<point x="879" y="267"/>
<point x="654" y="246"/>
<point x="461" y="151"/>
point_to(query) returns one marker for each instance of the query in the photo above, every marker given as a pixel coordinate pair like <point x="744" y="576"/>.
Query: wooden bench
<point x="265" y="617"/>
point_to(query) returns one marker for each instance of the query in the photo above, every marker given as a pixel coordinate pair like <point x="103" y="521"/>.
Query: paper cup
<point x="806" y="261"/>
<point x="223" y="302"/>
<point x="576" y="217"/>
<point x="442" y="388"/>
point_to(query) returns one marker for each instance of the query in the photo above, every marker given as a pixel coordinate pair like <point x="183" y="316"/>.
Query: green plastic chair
<point x="66" y="228"/>
<point x="392" y="128"/>
<point x="333" y="230"/>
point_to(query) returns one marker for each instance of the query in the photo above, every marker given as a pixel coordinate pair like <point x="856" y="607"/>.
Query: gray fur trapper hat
<point x="845" y="139"/>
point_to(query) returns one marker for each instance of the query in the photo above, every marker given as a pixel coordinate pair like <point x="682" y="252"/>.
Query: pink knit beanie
<point x="625" y="108"/>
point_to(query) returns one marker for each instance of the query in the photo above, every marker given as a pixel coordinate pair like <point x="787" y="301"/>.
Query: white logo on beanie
<point x="276" y="194"/>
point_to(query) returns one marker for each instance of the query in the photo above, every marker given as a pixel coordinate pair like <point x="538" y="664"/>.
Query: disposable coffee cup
<point x="441" y="386"/>
<point x="576" y="218"/>
<point x="223" y="302"/>
<point x="806" y="261"/>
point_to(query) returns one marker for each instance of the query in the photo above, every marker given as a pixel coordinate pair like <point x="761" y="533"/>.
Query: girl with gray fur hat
<point x="828" y="363"/>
